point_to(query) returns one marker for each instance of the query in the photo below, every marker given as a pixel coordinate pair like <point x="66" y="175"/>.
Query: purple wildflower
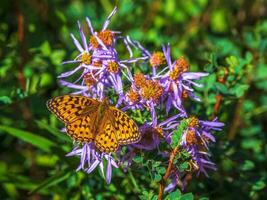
<point x="177" y="81"/>
<point x="102" y="68"/>
<point x="195" y="141"/>
<point x="90" y="158"/>
<point x="144" y="93"/>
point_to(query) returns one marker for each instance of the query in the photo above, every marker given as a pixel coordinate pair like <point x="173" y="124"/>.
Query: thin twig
<point x="168" y="172"/>
<point x="219" y="97"/>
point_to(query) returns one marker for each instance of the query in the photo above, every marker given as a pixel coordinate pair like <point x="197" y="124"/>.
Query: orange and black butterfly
<point x="89" y="120"/>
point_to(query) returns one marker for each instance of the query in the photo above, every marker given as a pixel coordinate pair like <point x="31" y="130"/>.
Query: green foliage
<point x="176" y="137"/>
<point x="228" y="40"/>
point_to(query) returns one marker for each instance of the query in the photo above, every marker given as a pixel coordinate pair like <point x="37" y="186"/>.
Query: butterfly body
<point x="89" y="120"/>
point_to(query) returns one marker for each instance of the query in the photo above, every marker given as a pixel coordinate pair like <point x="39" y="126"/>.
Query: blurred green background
<point x="228" y="39"/>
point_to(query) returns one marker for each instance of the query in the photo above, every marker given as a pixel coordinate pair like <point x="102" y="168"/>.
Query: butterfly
<point x="90" y="120"/>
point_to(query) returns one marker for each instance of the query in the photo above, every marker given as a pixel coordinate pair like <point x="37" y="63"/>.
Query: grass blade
<point x="36" y="140"/>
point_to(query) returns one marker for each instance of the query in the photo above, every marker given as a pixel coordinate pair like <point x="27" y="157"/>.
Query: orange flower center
<point x="157" y="59"/>
<point x="139" y="80"/>
<point x="133" y="96"/>
<point x="151" y="90"/>
<point x="174" y="74"/>
<point x="86" y="58"/>
<point x="159" y="131"/>
<point x="113" y="67"/>
<point x="193" y="121"/>
<point x="191" y="137"/>
<point x="182" y="64"/>
<point x="105" y="36"/>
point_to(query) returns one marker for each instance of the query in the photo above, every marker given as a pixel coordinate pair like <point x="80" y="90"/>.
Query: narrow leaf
<point x="51" y="181"/>
<point x="36" y="140"/>
<point x="52" y="130"/>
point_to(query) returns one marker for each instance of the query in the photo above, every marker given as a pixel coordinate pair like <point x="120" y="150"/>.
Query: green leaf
<point x="178" y="133"/>
<point x="36" y="140"/>
<point x="204" y="198"/>
<point x="148" y="195"/>
<point x="248" y="165"/>
<point x="219" y="21"/>
<point x="222" y="88"/>
<point x="20" y="181"/>
<point x="239" y="90"/>
<point x="52" y="181"/>
<point x="184" y="166"/>
<point x="5" y="100"/>
<point x="174" y="195"/>
<point x="138" y="159"/>
<point x="53" y="131"/>
<point x="156" y="177"/>
<point x="161" y="170"/>
<point x="45" y="48"/>
<point x="259" y="185"/>
<point x="188" y="196"/>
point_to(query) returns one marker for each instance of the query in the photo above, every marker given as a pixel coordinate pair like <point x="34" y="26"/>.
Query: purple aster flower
<point x="195" y="141"/>
<point x="99" y="62"/>
<point x="177" y="81"/>
<point x="144" y="93"/>
<point x="150" y="139"/>
<point x="90" y="158"/>
<point x="101" y="71"/>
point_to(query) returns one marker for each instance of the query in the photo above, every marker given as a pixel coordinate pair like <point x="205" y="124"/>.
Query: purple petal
<point x="71" y="85"/>
<point x="66" y="74"/>
<point x="193" y="75"/>
<point x="90" y="25"/>
<point x="106" y="23"/>
<point x="83" y="37"/>
<point x="212" y="123"/>
<point x="93" y="166"/>
<point x="77" y="43"/>
<point x="109" y="171"/>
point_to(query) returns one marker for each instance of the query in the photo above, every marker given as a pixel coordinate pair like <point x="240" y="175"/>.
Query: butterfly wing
<point x="81" y="129"/>
<point x="70" y="107"/>
<point x="78" y="113"/>
<point x="106" y="140"/>
<point x="127" y="131"/>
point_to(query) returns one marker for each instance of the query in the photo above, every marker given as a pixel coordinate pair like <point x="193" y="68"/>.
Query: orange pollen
<point x="86" y="58"/>
<point x="133" y="96"/>
<point x="97" y="63"/>
<point x="157" y="59"/>
<point x="193" y="122"/>
<point x="89" y="80"/>
<point x="139" y="80"/>
<point x="191" y="137"/>
<point x="174" y="74"/>
<point x="105" y="36"/>
<point x="159" y="131"/>
<point x="182" y="64"/>
<point x="93" y="42"/>
<point x="113" y="67"/>
<point x="185" y="94"/>
<point x="151" y="90"/>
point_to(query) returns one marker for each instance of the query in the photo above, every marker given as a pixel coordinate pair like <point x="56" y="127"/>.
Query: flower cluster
<point x="161" y="93"/>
